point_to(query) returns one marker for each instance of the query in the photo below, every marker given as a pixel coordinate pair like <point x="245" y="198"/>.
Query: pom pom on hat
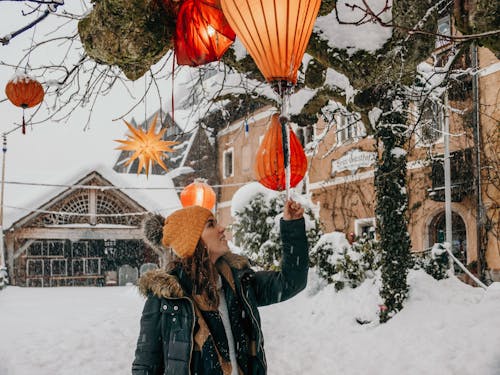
<point x="152" y="230"/>
<point x="182" y="229"/>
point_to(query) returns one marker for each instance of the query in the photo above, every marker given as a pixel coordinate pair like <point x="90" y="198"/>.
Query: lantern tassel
<point x="23" y="128"/>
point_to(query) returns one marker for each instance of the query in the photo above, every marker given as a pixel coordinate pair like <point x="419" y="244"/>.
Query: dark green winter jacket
<point x="168" y="323"/>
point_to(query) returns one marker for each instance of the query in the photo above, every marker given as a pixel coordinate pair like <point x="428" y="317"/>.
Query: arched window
<point x="437" y="233"/>
<point x="76" y="203"/>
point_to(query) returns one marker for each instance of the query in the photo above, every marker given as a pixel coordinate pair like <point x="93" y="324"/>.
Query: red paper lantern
<point x="202" y="34"/>
<point x="269" y="164"/>
<point x="25" y="92"/>
<point x="198" y="193"/>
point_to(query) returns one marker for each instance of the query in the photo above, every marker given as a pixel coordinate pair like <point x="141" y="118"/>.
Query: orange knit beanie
<point x="182" y="229"/>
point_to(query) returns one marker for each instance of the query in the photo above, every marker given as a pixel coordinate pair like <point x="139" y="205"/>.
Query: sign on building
<point x="353" y="160"/>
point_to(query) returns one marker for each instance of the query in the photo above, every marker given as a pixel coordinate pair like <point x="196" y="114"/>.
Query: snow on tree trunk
<point x="392" y="202"/>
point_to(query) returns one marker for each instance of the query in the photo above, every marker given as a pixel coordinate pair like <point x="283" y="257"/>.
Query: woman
<point x="201" y="315"/>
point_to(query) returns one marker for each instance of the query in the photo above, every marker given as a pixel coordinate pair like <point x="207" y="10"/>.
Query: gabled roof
<point x="21" y="201"/>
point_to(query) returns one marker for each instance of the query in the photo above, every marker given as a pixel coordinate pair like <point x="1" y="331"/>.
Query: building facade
<point x="341" y="166"/>
<point x="88" y="233"/>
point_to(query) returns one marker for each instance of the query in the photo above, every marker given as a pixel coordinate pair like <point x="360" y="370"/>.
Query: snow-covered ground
<point x="446" y="328"/>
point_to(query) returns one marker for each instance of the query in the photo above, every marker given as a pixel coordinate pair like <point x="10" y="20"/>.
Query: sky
<point x="58" y="146"/>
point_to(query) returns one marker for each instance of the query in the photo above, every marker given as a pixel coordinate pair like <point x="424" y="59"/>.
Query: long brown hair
<point x="201" y="272"/>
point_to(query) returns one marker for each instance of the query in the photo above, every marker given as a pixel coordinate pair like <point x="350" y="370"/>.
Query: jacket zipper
<point x="192" y="331"/>
<point x="264" y="362"/>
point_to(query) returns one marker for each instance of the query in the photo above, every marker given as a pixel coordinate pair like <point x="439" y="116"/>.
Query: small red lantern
<point x="269" y="164"/>
<point x="202" y="34"/>
<point x="25" y="92"/>
<point x="199" y="193"/>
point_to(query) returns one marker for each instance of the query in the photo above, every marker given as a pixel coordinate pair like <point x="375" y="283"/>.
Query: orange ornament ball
<point x="198" y="193"/>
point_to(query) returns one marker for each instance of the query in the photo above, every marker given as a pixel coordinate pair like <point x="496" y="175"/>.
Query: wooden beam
<point x="75" y="234"/>
<point x="22" y="249"/>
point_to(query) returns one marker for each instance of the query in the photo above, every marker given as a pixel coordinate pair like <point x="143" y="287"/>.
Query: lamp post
<point x="447" y="177"/>
<point x="3" y="268"/>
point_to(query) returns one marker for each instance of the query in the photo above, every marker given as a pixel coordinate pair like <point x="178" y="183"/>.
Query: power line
<point x="112" y="187"/>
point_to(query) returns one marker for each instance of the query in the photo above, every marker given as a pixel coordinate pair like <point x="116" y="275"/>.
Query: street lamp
<point x="3" y="269"/>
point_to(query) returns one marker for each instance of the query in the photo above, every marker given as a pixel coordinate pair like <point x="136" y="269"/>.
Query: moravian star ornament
<point x="148" y="146"/>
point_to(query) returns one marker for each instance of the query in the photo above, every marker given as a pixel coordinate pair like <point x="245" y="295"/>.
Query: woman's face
<point x="215" y="240"/>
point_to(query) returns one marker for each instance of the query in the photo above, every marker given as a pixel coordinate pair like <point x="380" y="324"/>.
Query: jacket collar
<point x="165" y="284"/>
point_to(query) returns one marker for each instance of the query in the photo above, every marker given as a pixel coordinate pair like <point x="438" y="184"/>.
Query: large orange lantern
<point x="270" y="161"/>
<point x="25" y="92"/>
<point x="274" y="32"/>
<point x="199" y="193"/>
<point x="202" y="34"/>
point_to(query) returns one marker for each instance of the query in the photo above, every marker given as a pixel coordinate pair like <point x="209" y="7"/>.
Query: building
<point x="84" y="230"/>
<point x="341" y="170"/>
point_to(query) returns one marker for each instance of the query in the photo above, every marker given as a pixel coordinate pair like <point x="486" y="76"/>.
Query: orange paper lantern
<point x="25" y="92"/>
<point x="202" y="34"/>
<point x="198" y="193"/>
<point x="269" y="163"/>
<point x="275" y="33"/>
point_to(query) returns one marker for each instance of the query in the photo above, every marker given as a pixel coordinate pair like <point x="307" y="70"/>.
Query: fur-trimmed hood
<point x="163" y="284"/>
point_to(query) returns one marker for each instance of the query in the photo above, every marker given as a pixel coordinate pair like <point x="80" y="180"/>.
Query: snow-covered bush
<point x="436" y="263"/>
<point x="256" y="212"/>
<point x="342" y="264"/>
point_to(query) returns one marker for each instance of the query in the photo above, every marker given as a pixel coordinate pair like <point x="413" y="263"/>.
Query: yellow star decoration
<point x="148" y="147"/>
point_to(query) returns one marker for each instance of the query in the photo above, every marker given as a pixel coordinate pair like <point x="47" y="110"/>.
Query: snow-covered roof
<point x="21" y="199"/>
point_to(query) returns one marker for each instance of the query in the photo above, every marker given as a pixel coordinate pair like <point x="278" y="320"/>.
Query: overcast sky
<point x="63" y="146"/>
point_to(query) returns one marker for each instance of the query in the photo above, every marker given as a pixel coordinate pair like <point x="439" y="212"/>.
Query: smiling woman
<point x="201" y="312"/>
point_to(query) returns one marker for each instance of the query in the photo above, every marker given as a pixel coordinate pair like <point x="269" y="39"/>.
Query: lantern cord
<point x="285" y="133"/>
<point x="173" y="74"/>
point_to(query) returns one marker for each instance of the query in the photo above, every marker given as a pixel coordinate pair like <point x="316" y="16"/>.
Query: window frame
<point x="229" y="151"/>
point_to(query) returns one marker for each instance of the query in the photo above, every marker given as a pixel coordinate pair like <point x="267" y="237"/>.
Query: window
<point x="34" y="267"/>
<point x="58" y="267"/>
<point x="93" y="266"/>
<point x="36" y="249"/>
<point x="228" y="163"/>
<point x="305" y="134"/>
<point x="349" y="128"/>
<point x="443" y="28"/>
<point x="430" y="127"/>
<point x="365" y="228"/>
<point x="55" y="249"/>
<point x="77" y="267"/>
<point x="80" y="249"/>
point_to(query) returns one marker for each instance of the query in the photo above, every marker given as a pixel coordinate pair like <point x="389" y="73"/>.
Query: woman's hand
<point x="292" y="210"/>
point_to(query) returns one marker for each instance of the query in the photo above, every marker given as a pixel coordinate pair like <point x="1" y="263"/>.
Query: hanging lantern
<point x="199" y="193"/>
<point x="269" y="164"/>
<point x="275" y="33"/>
<point x="202" y="34"/>
<point x="25" y="92"/>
